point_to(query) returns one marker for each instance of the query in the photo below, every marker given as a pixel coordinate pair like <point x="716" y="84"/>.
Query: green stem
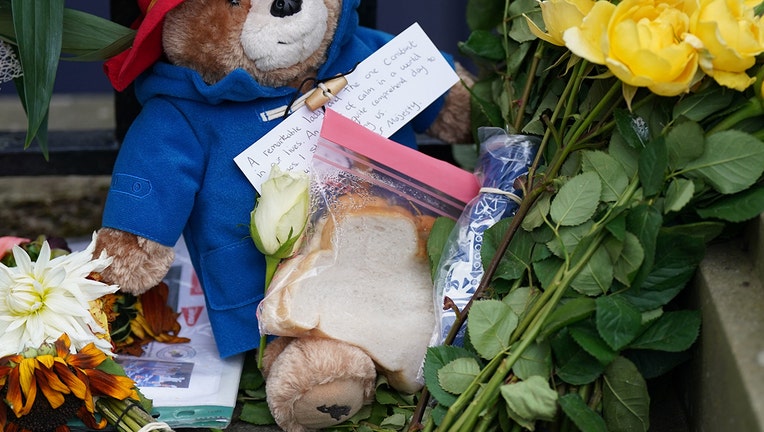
<point x="271" y="264"/>
<point x="528" y="87"/>
<point x="605" y="103"/>
<point x="752" y="108"/>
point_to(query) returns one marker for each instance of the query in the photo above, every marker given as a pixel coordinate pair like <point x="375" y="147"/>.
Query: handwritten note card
<point x="384" y="92"/>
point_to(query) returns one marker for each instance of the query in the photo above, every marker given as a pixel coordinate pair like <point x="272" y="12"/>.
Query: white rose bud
<point x="281" y="212"/>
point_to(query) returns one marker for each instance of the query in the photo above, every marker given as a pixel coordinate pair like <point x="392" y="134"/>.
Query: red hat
<point x="123" y="68"/>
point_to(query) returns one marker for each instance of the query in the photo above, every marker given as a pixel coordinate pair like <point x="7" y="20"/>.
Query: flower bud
<point x="281" y="213"/>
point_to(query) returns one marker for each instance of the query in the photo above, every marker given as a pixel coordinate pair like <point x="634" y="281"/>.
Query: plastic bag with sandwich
<point x="362" y="274"/>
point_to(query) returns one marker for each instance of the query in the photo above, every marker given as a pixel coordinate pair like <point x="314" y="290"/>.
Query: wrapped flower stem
<point x="128" y="416"/>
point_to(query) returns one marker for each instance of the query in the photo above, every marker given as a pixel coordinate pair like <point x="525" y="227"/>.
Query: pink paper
<point x="440" y="175"/>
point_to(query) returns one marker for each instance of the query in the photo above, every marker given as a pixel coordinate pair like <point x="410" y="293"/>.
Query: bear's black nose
<point x="283" y="8"/>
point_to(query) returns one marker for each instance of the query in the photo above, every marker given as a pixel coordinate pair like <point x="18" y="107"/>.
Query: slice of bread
<point x="366" y="282"/>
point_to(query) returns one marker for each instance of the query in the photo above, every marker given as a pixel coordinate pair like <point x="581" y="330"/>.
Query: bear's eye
<point x="234" y="2"/>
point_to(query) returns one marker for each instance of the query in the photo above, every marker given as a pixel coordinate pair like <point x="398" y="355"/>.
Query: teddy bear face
<point x="278" y="42"/>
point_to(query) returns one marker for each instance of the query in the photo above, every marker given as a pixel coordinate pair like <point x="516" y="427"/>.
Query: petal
<point x="54" y="397"/>
<point x="586" y="41"/>
<point x="87" y="358"/>
<point x="536" y="30"/>
<point x="105" y="384"/>
<point x="89" y="420"/>
<point x="737" y="81"/>
<point x="71" y="380"/>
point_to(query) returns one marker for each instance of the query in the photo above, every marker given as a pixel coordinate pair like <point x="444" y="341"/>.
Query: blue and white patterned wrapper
<point x="503" y="158"/>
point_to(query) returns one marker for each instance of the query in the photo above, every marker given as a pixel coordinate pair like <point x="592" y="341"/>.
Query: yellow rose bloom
<point x="644" y="43"/>
<point x="559" y="15"/>
<point x="732" y="37"/>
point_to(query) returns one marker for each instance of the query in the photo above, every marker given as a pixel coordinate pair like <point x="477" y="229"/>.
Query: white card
<point x="384" y="92"/>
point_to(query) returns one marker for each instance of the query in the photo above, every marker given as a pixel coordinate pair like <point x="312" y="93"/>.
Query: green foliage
<point x="42" y="33"/>
<point x="612" y="234"/>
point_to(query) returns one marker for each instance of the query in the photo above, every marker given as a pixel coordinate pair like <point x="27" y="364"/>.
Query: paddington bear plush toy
<point x="204" y="72"/>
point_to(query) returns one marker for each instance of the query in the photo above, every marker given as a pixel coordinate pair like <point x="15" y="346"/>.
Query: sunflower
<point x="43" y="388"/>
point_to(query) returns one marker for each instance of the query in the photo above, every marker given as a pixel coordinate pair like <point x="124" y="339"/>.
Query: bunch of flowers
<point x="650" y="119"/>
<point x="56" y="353"/>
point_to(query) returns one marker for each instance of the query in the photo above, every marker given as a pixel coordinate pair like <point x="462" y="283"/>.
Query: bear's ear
<point x="204" y="35"/>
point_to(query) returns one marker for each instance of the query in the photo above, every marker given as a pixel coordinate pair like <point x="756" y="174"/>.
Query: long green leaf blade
<point x="38" y="26"/>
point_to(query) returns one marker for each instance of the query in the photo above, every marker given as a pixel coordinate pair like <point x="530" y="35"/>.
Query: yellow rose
<point x="643" y="42"/>
<point x="732" y="37"/>
<point x="559" y="15"/>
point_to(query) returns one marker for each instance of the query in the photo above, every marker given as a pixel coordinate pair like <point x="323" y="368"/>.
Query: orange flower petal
<point x="89" y="420"/>
<point x="75" y="384"/>
<point x="62" y="345"/>
<point x="3" y="415"/>
<point x="102" y="383"/>
<point x="87" y="358"/>
<point x="14" y="394"/>
<point x="51" y="386"/>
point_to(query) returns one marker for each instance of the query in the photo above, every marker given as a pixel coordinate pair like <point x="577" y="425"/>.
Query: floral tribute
<point x="56" y="344"/>
<point x="650" y="119"/>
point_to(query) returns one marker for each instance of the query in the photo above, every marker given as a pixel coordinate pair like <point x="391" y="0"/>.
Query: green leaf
<point x="395" y="421"/>
<point x="673" y="332"/>
<point x="672" y="268"/>
<point x="617" y="227"/>
<point x="256" y="413"/>
<point x="537" y="213"/>
<point x="632" y="128"/>
<point x="596" y="276"/>
<point x="88" y="37"/>
<point x="483" y="45"/>
<point x="652" y="364"/>
<point x="436" y="358"/>
<point x="39" y="27"/>
<point x="519" y="30"/>
<point x="545" y="270"/>
<point x="457" y="375"/>
<point x="586" y="335"/>
<point x="685" y="143"/>
<point x="645" y="221"/>
<point x="618" y="321"/>
<point x="520" y="300"/>
<point x="736" y="208"/>
<point x="698" y="106"/>
<point x="627" y="156"/>
<point x="732" y="161"/>
<point x="251" y="376"/>
<point x="630" y="259"/>
<point x="568" y="313"/>
<point x="517" y="259"/>
<point x="706" y="231"/>
<point x="530" y="400"/>
<point x="573" y="364"/>
<point x="678" y="194"/>
<point x="436" y="242"/>
<point x="626" y="403"/>
<point x="484" y="14"/>
<point x="490" y="324"/>
<point x="535" y="360"/>
<point x="483" y="109"/>
<point x="568" y="239"/>
<point x="653" y="164"/>
<point x="577" y="200"/>
<point x="585" y="418"/>
<point x="610" y="171"/>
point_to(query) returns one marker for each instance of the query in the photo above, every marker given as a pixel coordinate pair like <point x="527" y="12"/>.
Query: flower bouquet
<point x="649" y="114"/>
<point x="56" y="348"/>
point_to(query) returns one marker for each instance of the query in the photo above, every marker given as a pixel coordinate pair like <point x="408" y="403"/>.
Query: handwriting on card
<point x="384" y="92"/>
